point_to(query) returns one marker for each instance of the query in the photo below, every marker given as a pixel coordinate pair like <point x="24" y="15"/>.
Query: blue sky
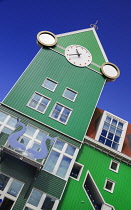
<point x="20" y="21"/>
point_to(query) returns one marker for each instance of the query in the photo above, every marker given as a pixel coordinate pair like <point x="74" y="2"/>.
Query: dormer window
<point x="111" y="131"/>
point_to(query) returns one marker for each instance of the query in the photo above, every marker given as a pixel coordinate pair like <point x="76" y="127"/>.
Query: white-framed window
<point x="50" y="84"/>
<point x="60" y="113"/>
<point x="61" y="159"/>
<point x="76" y="171"/>
<point x="7" y="124"/>
<point x="70" y="94"/>
<point x="39" y="200"/>
<point x="39" y="102"/>
<point x="109" y="185"/>
<point x="114" y="166"/>
<point x="9" y="190"/>
<point x="111" y="131"/>
<point x="32" y="139"/>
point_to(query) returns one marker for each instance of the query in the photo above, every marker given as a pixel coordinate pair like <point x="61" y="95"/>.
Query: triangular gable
<point x="87" y="38"/>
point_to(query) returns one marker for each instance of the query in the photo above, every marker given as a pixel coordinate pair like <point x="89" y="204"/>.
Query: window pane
<point x="15" y="188"/>
<point x="106" y="126"/>
<point x="108" y="119"/>
<point x="12" y="122"/>
<point x="115" y="146"/>
<point x="49" y="84"/>
<point x="112" y="129"/>
<point x="114" y="122"/>
<point x="41" y="135"/>
<point x="36" y="97"/>
<point x="70" y="150"/>
<point x="69" y="94"/>
<point x="30" y="130"/>
<point x="64" y="165"/>
<point x="58" y="107"/>
<point x="45" y="101"/>
<point x="116" y="139"/>
<point x="51" y="161"/>
<point x="48" y="203"/>
<point x="33" y="103"/>
<point x="63" y="118"/>
<point x="110" y="136"/>
<point x="41" y="108"/>
<point x="108" y="143"/>
<point x="3" y="181"/>
<point x="55" y="114"/>
<point x="66" y="111"/>
<point x="3" y="116"/>
<point x="102" y="139"/>
<point x="118" y="132"/>
<point x="103" y="133"/>
<point x="6" y="130"/>
<point x="114" y="165"/>
<point x="35" y="197"/>
<point x="59" y="145"/>
<point x="109" y="185"/>
<point x="120" y="125"/>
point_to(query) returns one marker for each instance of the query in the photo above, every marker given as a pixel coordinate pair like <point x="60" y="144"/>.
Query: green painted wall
<point x="87" y="83"/>
<point x="98" y="165"/>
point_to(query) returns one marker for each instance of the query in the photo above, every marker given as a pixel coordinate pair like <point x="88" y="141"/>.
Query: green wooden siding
<point x="50" y="184"/>
<point x="87" y="83"/>
<point x="18" y="170"/>
<point x="98" y="165"/>
<point x="25" y="173"/>
<point x="27" y="120"/>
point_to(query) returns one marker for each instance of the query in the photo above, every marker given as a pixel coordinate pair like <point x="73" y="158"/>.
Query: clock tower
<point x="55" y="97"/>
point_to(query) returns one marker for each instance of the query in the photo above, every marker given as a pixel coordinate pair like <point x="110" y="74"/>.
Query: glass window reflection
<point x="62" y="170"/>
<point x="70" y="150"/>
<point x="59" y="145"/>
<point x="35" y="197"/>
<point x="3" y="181"/>
<point x="15" y="188"/>
<point x="51" y="162"/>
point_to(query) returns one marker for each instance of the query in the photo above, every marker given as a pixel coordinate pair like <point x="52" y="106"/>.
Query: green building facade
<point x="48" y="160"/>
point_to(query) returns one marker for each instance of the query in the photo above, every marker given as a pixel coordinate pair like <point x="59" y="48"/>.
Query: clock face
<point x="110" y="70"/>
<point x="46" y="38"/>
<point x="78" y="55"/>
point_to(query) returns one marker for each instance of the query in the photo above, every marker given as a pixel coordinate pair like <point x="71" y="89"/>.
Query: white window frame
<point x="112" y="189"/>
<point x="101" y="124"/>
<point x="67" y="88"/>
<point x="4" y="124"/>
<point x="5" y="194"/>
<point x="42" y="96"/>
<point x="47" y="78"/>
<point x="118" y="165"/>
<point x="41" y="201"/>
<point x="80" y="172"/>
<point x="63" y="106"/>
<point x="62" y="154"/>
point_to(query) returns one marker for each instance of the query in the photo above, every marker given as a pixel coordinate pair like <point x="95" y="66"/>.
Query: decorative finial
<point x="94" y="25"/>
